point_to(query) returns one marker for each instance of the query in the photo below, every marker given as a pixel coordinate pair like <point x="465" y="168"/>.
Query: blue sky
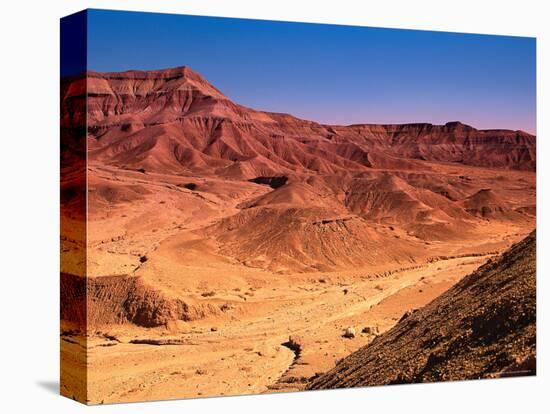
<point x="330" y="73"/>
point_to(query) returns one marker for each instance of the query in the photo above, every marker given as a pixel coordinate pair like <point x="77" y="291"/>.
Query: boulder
<point x="349" y="332"/>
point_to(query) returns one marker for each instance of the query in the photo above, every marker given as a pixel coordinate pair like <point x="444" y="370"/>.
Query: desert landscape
<point x="223" y="250"/>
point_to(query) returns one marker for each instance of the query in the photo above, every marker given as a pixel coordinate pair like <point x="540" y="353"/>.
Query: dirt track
<point x="243" y="352"/>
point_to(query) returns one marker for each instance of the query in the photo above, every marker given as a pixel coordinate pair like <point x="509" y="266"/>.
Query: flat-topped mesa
<point x="454" y="128"/>
<point x="456" y="132"/>
<point x="451" y="142"/>
<point x="152" y="97"/>
<point x="142" y="83"/>
<point x="457" y="142"/>
<point x="160" y="74"/>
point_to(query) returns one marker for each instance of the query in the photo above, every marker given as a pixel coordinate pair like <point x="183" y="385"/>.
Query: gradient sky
<point x="330" y="73"/>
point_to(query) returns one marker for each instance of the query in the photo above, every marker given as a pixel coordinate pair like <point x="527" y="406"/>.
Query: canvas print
<point x="253" y="207"/>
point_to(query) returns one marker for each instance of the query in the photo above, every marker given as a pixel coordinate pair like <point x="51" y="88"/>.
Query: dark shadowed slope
<point x="485" y="326"/>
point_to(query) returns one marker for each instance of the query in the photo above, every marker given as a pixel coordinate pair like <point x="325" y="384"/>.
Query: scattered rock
<point x="408" y="313"/>
<point x="295" y="344"/>
<point x="370" y="330"/>
<point x="519" y="367"/>
<point x="349" y="333"/>
<point x="226" y="307"/>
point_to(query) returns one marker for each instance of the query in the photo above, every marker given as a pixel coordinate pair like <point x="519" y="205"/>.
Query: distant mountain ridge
<point x="175" y="120"/>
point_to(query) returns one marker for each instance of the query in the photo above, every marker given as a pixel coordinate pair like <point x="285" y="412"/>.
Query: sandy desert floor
<point x="247" y="354"/>
<point x="272" y="330"/>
